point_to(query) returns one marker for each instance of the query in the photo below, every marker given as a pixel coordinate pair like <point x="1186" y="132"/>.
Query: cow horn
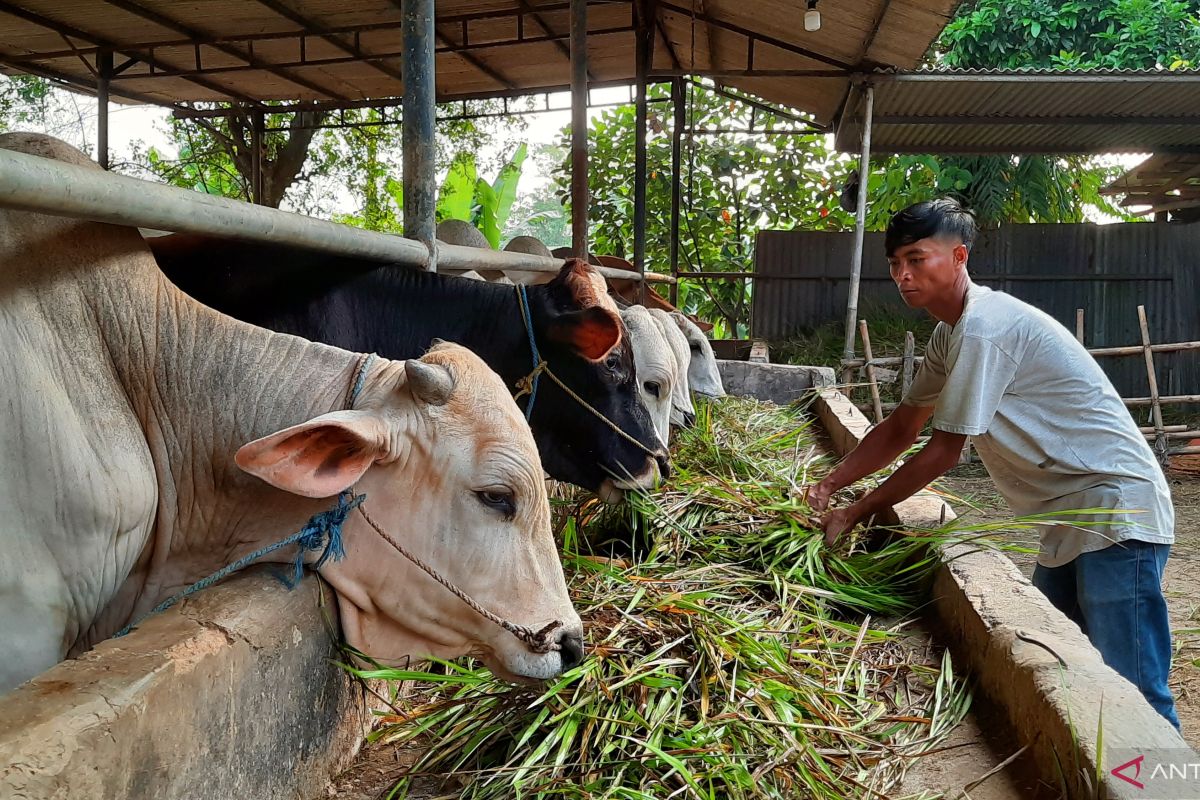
<point x="430" y="383"/>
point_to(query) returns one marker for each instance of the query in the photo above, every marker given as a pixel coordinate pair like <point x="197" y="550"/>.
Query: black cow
<point x="397" y="312"/>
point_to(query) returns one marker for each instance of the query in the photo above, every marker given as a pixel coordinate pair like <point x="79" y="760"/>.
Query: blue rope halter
<point x="322" y="529"/>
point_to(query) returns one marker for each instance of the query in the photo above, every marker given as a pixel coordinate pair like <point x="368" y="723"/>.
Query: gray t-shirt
<point x="1047" y="423"/>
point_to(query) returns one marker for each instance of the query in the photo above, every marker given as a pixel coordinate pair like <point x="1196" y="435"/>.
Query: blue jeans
<point x="1115" y="596"/>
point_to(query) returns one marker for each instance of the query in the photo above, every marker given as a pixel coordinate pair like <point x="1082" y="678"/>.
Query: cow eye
<point x="501" y="500"/>
<point x="612" y="362"/>
<point x="695" y="347"/>
<point x="653" y="388"/>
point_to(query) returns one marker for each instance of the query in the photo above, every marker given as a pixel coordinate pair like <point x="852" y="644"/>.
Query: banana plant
<point x="466" y="196"/>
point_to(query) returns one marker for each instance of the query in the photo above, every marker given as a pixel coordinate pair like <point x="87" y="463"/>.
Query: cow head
<point x="581" y="337"/>
<point x="655" y="364"/>
<point x="450" y="470"/>
<point x="703" y="375"/>
<point x="683" y="413"/>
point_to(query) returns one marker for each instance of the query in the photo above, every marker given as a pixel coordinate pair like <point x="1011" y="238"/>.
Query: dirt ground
<point x="978" y="501"/>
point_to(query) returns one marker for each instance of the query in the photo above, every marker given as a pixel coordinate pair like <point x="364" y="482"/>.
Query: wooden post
<point x="1079" y="325"/>
<point x="1160" y="438"/>
<point x="910" y="347"/>
<point x="866" y="340"/>
<point x="579" y="141"/>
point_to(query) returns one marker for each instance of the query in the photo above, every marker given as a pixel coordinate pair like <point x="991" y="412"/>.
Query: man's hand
<point x="840" y="520"/>
<point x="817" y="496"/>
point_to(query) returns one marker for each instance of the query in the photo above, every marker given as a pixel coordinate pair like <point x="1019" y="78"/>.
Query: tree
<point x="1054" y="35"/>
<point x="733" y="186"/>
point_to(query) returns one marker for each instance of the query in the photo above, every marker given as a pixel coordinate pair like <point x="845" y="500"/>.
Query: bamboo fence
<point x="1159" y="434"/>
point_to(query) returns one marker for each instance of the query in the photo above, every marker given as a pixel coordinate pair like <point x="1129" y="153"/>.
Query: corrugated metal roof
<point x="345" y="51"/>
<point x="1163" y="182"/>
<point x="978" y="111"/>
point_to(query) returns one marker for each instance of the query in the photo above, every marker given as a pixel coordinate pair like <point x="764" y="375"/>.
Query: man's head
<point x="927" y="247"/>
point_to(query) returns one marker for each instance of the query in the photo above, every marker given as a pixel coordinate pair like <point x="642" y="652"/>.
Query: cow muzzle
<point x="657" y="468"/>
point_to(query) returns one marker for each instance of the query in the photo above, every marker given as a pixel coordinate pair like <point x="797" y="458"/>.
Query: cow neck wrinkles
<point x="204" y="384"/>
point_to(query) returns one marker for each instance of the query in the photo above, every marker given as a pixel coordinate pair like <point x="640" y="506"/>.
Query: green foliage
<point x="733" y="186"/>
<point x="1078" y="34"/>
<point x="467" y="197"/>
<point x="456" y="198"/>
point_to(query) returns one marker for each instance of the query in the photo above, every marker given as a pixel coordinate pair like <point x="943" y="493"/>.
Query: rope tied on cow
<point x="528" y="385"/>
<point x="325" y="529"/>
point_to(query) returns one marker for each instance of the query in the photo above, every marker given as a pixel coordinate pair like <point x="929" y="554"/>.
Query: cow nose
<point x="664" y="464"/>
<point x="570" y="649"/>
<point x="689" y="419"/>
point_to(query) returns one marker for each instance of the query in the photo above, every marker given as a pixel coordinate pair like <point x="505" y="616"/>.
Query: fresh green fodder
<point x="737" y="658"/>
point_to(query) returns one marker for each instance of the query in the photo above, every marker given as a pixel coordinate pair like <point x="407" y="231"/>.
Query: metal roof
<point x="968" y="111"/>
<point x="347" y="51"/>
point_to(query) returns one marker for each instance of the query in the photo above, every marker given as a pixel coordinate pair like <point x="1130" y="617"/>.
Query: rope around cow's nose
<point x="537" y="641"/>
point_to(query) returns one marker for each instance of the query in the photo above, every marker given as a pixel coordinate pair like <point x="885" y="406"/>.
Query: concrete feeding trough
<point x="233" y="693"/>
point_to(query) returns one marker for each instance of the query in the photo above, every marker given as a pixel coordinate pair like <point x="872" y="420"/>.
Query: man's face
<point x="928" y="270"/>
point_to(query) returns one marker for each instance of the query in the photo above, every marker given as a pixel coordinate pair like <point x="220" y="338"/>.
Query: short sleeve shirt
<point x="1047" y="423"/>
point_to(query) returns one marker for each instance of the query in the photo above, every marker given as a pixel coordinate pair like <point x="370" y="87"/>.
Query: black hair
<point x="943" y="216"/>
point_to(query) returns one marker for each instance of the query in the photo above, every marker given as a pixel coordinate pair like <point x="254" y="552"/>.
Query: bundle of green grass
<point x="733" y="657"/>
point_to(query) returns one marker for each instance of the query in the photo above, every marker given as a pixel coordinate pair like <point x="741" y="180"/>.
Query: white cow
<point x="655" y="366"/>
<point x="703" y="375"/>
<point x="683" y="413"/>
<point x="125" y="403"/>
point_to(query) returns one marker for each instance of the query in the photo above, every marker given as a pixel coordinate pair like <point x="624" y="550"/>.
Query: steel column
<point x="860" y="223"/>
<point x="579" y="143"/>
<point x="676" y="179"/>
<point x="257" y="123"/>
<point x="104" y="71"/>
<point x="420" y="113"/>
<point x="642" y="58"/>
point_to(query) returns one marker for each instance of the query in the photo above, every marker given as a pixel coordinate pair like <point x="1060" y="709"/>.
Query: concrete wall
<point x="232" y="694"/>
<point x="779" y="383"/>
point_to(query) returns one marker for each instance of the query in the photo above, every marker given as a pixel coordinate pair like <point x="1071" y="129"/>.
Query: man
<point x="1052" y="432"/>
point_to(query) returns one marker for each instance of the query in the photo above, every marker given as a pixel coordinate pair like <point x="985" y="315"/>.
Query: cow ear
<point x="592" y="332"/>
<point x="318" y="458"/>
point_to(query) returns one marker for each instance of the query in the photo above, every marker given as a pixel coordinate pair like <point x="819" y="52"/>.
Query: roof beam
<point x="526" y="8"/>
<point x="79" y="83"/>
<point x="328" y="35"/>
<point x="69" y="30"/>
<point x="474" y="61"/>
<point x="174" y="25"/>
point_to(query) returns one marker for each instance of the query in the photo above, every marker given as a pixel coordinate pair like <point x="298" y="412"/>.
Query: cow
<point x="396" y="312"/>
<point x="656" y="367"/>
<point x="703" y="376"/>
<point x="683" y="413"/>
<point x="148" y="441"/>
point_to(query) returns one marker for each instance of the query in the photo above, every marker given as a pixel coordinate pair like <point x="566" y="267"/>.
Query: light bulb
<point x="812" y="17"/>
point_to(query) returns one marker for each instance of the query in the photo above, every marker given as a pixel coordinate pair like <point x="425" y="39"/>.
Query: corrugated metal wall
<point x="1107" y="270"/>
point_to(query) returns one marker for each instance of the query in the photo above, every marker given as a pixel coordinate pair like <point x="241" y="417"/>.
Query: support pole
<point x="257" y="123"/>
<point x="645" y="31"/>
<point x="1079" y="325"/>
<point x="104" y="71"/>
<point x="579" y="143"/>
<point x="876" y="404"/>
<point x="910" y="349"/>
<point x="860" y="224"/>
<point x="1160" y="439"/>
<point x="418" y="133"/>
<point x="676" y="180"/>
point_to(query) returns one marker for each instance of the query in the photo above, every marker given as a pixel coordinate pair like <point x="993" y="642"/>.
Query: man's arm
<point x="879" y="448"/>
<point x="938" y="455"/>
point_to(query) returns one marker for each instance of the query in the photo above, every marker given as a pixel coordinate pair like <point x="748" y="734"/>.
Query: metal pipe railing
<point x="46" y="186"/>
